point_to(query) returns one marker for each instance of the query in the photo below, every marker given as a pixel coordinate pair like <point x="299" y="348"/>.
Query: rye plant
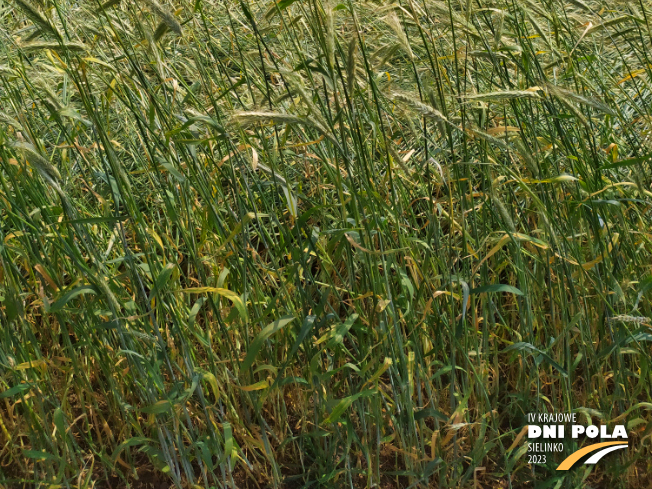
<point x="306" y="243"/>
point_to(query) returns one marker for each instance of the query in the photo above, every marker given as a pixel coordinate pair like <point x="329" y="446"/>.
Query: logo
<point x="547" y="434"/>
<point x="602" y="450"/>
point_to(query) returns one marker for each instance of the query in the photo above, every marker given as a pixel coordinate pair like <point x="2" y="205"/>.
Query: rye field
<point x="322" y="244"/>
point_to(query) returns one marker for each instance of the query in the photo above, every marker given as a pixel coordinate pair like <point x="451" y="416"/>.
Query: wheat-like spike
<point x="50" y="95"/>
<point x="580" y="4"/>
<point x="160" y="31"/>
<point x="498" y="35"/>
<point x="108" y="293"/>
<point x="38" y="18"/>
<point x="109" y="4"/>
<point x="488" y="138"/>
<point x="394" y="23"/>
<point x="297" y="84"/>
<point x="527" y="157"/>
<point x="468" y="10"/>
<point x="248" y="118"/>
<point x="5" y="70"/>
<point x="169" y="19"/>
<point x="350" y="66"/>
<point x="43" y="166"/>
<point x="502" y="210"/>
<point x="504" y="95"/>
<point x="630" y="319"/>
<point x="538" y="28"/>
<point x="54" y="46"/>
<point x="397" y="158"/>
<point x="489" y="55"/>
<point x="614" y="21"/>
<point x="10" y="121"/>
<point x="432" y="162"/>
<point x="37" y="33"/>
<point x="535" y="7"/>
<point x="47" y="171"/>
<point x="330" y="36"/>
<point x="445" y="15"/>
<point x="573" y="108"/>
<point x="581" y="99"/>
<point x="424" y="109"/>
<point x="386" y="52"/>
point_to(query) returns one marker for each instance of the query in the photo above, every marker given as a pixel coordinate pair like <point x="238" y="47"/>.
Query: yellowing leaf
<point x="631" y="76"/>
<point x="557" y="179"/>
<point x="592" y="263"/>
<point x="40" y="269"/>
<point x="492" y="252"/>
<point x="92" y="59"/>
<point x="382" y="304"/>
<point x="156" y="237"/>
<point x="255" y="387"/>
<point x="32" y="364"/>
<point x="232" y="296"/>
<point x="383" y="368"/>
<point x="536" y="242"/>
<point x="518" y="439"/>
<point x="502" y="130"/>
<point x="15" y="234"/>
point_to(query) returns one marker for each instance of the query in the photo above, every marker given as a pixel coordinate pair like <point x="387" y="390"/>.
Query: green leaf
<point x="257" y="344"/>
<point x="35" y="454"/>
<point x="68" y="296"/>
<point x="407" y="283"/>
<point x="529" y="348"/>
<point x="238" y="228"/>
<point x="59" y="422"/>
<point x="344" y="404"/>
<point x="212" y="381"/>
<point x="291" y="201"/>
<point x="93" y="220"/>
<point x="497" y="288"/>
<point x="137" y="440"/>
<point x="628" y="162"/>
<point x="308" y="324"/>
<point x="280" y="5"/>
<point x="73" y="114"/>
<point x="644" y="286"/>
<point x="174" y="172"/>
<point x="17" y="389"/>
<point x="162" y="279"/>
<point x="195" y="310"/>
<point x="337" y="334"/>
<point x="228" y="440"/>
<point x="292" y="380"/>
<point x="429" y="413"/>
<point x="13" y="306"/>
<point x="162" y="406"/>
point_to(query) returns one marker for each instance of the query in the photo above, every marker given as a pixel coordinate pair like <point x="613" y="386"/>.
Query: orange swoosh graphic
<point x="575" y="456"/>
